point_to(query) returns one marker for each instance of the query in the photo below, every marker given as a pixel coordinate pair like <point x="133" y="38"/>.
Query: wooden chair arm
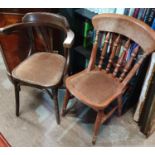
<point x="134" y="70"/>
<point x="69" y="39"/>
<point x="17" y="26"/>
<point x="8" y="28"/>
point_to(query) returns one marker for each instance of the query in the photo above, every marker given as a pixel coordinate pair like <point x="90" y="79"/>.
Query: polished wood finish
<point x="14" y="15"/>
<point x="98" y="86"/>
<point x="113" y="53"/>
<point x="39" y="65"/>
<point x="9" y="18"/>
<point x="3" y="141"/>
<point x="102" y="57"/>
<point x="120" y="60"/>
<point x="129" y="63"/>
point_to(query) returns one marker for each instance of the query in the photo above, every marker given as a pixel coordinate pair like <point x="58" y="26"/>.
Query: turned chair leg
<point x="119" y="100"/>
<point x="56" y="106"/>
<point x="66" y="99"/>
<point x="17" y="90"/>
<point x="97" y="125"/>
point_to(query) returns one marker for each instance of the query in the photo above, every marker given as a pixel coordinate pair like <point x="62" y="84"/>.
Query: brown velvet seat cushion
<point x="43" y="69"/>
<point x="95" y="88"/>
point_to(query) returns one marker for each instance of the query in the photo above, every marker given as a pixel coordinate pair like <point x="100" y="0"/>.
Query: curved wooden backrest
<point x="128" y="26"/>
<point x="125" y="32"/>
<point x="32" y="35"/>
<point x="50" y="38"/>
<point x="44" y="17"/>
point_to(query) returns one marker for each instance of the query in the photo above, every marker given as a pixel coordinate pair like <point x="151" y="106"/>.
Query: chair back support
<point x="48" y="38"/>
<point x="121" y="34"/>
<point x="34" y="34"/>
<point x="15" y="45"/>
<point x="44" y="17"/>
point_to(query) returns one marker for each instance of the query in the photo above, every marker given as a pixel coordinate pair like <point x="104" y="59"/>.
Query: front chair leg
<point x="66" y="99"/>
<point x="17" y="90"/>
<point x="56" y="106"/>
<point x="119" y="100"/>
<point x="97" y="125"/>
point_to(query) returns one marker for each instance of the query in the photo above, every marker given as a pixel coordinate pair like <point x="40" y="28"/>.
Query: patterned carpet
<point x="37" y="126"/>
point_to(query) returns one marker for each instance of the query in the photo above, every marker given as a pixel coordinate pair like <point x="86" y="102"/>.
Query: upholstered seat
<point x="44" y="69"/>
<point x="94" y="88"/>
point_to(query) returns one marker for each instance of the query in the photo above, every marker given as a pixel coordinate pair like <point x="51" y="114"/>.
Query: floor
<point x="37" y="126"/>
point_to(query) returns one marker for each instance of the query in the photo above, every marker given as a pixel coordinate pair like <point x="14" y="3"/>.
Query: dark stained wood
<point x="9" y="18"/>
<point x="17" y="42"/>
<point x="119" y="100"/>
<point x="26" y="10"/>
<point x="56" y="105"/>
<point x="98" y="88"/>
<point x="36" y="28"/>
<point x="17" y="91"/>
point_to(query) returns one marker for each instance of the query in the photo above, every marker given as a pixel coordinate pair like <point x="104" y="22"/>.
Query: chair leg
<point x="97" y="125"/>
<point x="56" y="106"/>
<point x="17" y="90"/>
<point x="119" y="100"/>
<point x="66" y="99"/>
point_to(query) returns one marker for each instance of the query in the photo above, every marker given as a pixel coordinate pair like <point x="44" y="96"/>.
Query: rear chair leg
<point x="66" y="99"/>
<point x="119" y="100"/>
<point x="17" y="90"/>
<point x="97" y="125"/>
<point x="56" y="106"/>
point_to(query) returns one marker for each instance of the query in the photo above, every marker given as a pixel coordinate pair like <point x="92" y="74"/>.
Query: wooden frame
<point x="31" y="22"/>
<point x="115" y="76"/>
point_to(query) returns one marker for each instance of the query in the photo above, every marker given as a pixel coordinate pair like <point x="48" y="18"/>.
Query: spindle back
<point x="127" y="43"/>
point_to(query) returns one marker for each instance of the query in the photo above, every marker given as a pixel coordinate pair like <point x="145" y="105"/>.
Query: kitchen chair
<point x="30" y="57"/>
<point x="100" y="84"/>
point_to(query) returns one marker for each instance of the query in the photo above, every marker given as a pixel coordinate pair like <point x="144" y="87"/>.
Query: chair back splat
<point x="121" y="31"/>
